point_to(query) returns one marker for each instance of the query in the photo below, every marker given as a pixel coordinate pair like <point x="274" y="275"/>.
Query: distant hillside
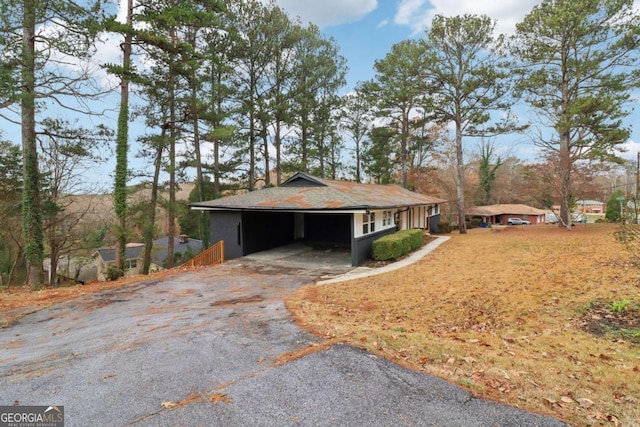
<point x="98" y="209"/>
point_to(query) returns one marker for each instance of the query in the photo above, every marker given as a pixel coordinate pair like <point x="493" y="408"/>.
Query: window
<point x="130" y="265"/>
<point x="368" y="223"/>
<point x="387" y="218"/>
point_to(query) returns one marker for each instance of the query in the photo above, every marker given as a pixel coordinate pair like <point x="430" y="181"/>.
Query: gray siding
<point x="362" y="247"/>
<point x="227" y="226"/>
<point x="433" y="223"/>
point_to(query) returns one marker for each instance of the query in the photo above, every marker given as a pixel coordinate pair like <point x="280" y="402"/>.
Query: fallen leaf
<point x="566" y="399"/>
<point x="469" y="359"/>
<point x="585" y="403"/>
<point x="109" y="376"/>
<point x="613" y="419"/>
<point x="217" y="398"/>
<point x="169" y="404"/>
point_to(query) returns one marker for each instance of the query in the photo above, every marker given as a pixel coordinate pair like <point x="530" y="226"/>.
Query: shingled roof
<point x="306" y="192"/>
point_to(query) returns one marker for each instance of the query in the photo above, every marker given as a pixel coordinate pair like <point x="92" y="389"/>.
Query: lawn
<point x="538" y="317"/>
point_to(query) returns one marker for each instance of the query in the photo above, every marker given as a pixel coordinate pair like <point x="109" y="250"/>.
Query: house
<point x="106" y="257"/>
<point x="184" y="249"/>
<point x="319" y="212"/>
<point x="590" y="206"/>
<point x="499" y="214"/>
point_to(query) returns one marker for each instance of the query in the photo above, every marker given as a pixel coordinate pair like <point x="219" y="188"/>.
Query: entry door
<point x="298" y="225"/>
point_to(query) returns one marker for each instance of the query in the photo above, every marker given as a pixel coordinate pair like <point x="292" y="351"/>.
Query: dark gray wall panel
<point x="227" y="226"/>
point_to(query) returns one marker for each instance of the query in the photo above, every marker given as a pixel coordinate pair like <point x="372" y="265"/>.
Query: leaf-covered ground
<point x="531" y="316"/>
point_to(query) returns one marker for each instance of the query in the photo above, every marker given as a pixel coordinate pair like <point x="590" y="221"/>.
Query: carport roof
<point x="304" y="192"/>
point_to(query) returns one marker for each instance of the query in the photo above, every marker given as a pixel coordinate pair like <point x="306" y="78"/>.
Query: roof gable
<point x="303" y="180"/>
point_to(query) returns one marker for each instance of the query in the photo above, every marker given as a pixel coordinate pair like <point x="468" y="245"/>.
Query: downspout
<point x="396" y="215"/>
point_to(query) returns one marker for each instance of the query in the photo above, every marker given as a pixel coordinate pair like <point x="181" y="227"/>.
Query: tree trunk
<point x="31" y="202"/>
<point x="304" y="143"/>
<point x="151" y="212"/>
<point x="564" y="130"/>
<point x="172" y="173"/>
<point x="122" y="148"/>
<point x="403" y="147"/>
<point x="564" y="173"/>
<point x="195" y="111"/>
<point x="278" y="144"/>
<point x="462" y="224"/>
<point x="267" y="166"/>
<point x="53" y="269"/>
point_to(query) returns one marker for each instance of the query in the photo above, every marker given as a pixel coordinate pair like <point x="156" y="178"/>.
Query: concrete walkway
<point x="361" y="272"/>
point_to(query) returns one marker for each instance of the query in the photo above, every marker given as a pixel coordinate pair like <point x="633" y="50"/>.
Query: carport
<point x="321" y="213"/>
<point x="249" y="231"/>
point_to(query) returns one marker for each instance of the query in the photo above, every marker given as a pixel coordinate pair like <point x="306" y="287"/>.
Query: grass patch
<point x="616" y="319"/>
<point x="505" y="315"/>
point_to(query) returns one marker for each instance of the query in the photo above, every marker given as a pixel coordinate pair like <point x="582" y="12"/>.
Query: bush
<point x="444" y="227"/>
<point x="387" y="247"/>
<point x="414" y="237"/>
<point x="393" y="246"/>
<point x="113" y="273"/>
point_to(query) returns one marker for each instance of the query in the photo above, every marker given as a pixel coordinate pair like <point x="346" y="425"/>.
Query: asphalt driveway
<point x="217" y="347"/>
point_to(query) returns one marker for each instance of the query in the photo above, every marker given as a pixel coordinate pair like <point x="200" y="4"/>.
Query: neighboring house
<point x="184" y="249"/>
<point x="500" y="214"/>
<point x="319" y="212"/>
<point x="106" y="257"/>
<point x="591" y="206"/>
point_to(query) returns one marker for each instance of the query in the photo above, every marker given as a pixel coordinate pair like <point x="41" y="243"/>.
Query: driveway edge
<point x="361" y="272"/>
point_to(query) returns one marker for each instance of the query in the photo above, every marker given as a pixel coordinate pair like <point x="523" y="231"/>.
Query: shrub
<point x="444" y="227"/>
<point x="387" y="247"/>
<point x="113" y="273"/>
<point x="393" y="246"/>
<point x="414" y="237"/>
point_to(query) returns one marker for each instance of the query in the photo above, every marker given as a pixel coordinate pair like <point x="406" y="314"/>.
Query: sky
<point x="365" y="31"/>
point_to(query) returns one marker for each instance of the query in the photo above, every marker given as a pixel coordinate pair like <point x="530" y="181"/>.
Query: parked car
<point x="578" y="218"/>
<point x="518" y="221"/>
<point x="550" y="218"/>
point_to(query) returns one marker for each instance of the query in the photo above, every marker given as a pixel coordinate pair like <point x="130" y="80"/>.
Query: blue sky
<point x="365" y="30"/>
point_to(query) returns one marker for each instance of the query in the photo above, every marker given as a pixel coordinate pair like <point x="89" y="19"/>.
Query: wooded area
<point x="237" y="95"/>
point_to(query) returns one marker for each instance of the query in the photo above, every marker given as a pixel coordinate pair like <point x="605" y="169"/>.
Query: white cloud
<point x="417" y="14"/>
<point x="413" y="13"/>
<point x="383" y="23"/>
<point x="328" y="12"/>
<point x="632" y="148"/>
